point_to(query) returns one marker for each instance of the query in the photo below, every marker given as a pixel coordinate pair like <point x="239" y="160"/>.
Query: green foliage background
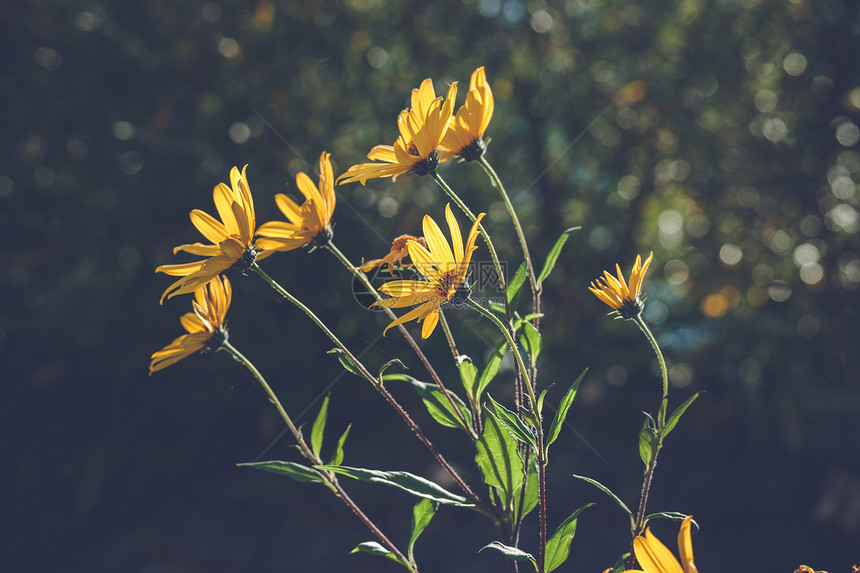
<point x="720" y="134"/>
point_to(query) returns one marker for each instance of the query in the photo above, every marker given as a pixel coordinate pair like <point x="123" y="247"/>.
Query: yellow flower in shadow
<point x="309" y="223"/>
<point x="654" y="557"/>
<point x="232" y="238"/>
<point x="205" y="326"/>
<point x="399" y="251"/>
<point x="466" y="132"/>
<point x="618" y="294"/>
<point x="445" y="270"/>
<point x="416" y="150"/>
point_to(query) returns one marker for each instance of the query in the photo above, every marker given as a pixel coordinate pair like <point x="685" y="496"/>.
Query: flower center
<point x="446" y="284"/>
<point x="426" y="166"/>
<point x="474" y="150"/>
<point x="219" y="337"/>
<point x="322" y="238"/>
<point x="247" y="259"/>
<point x="630" y="308"/>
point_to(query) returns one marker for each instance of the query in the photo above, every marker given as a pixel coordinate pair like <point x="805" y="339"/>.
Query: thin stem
<point x="365" y="373"/>
<point x="450" y="337"/>
<point x="497" y="183"/>
<point x="509" y="338"/>
<point x="361" y="276"/>
<point x="456" y="199"/>
<point x="661" y="424"/>
<point x="331" y="480"/>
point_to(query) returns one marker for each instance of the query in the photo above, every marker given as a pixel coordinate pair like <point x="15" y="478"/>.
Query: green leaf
<point x="563" y="408"/>
<point x="670" y="515"/>
<point x="292" y="470"/>
<point x="676" y="415"/>
<point x="541" y="398"/>
<point x="608" y="492"/>
<point x="516" y="283"/>
<point x="468" y="374"/>
<point x="388" y="365"/>
<point x="498" y="308"/>
<point x="512" y="553"/>
<point x="337" y="458"/>
<point x="552" y="257"/>
<point x="345" y="361"/>
<point x="490" y="371"/>
<point x="532" y="341"/>
<point x="498" y="459"/>
<point x="437" y="404"/>
<point x="319" y="428"/>
<point x="422" y="513"/>
<point x="514" y="425"/>
<point x="374" y="548"/>
<point x="620" y="564"/>
<point x="411" y="483"/>
<point x="648" y="441"/>
<point x="558" y="546"/>
<point x="532" y="495"/>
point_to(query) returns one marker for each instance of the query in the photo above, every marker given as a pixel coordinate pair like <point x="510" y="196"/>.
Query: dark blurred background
<point x="722" y="135"/>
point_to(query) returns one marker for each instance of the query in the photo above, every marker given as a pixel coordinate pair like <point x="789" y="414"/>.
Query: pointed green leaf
<point x="558" y="546"/>
<point x="422" y="513"/>
<point x="512" y="553"/>
<point x="498" y="458"/>
<point x="532" y="341"/>
<point x="552" y="257"/>
<point x="437" y="404"/>
<point x="498" y="307"/>
<point x="388" y="365"/>
<point x="374" y="548"/>
<point x="608" y="492"/>
<point x="620" y="564"/>
<point x="345" y="361"/>
<point x="490" y="371"/>
<point x="563" y="408"/>
<point x="670" y="515"/>
<point x="337" y="458"/>
<point x="514" y="425"/>
<point x="468" y="374"/>
<point x="532" y="493"/>
<point x="319" y="428"/>
<point x="516" y="283"/>
<point x="647" y="444"/>
<point x="541" y="398"/>
<point x="292" y="470"/>
<point x="676" y="415"/>
<point x="416" y="485"/>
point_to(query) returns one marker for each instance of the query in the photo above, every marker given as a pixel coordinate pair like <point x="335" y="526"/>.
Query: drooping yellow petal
<point x="413" y="314"/>
<point x="653" y="556"/>
<point x="685" y="541"/>
<point x="406" y="287"/>
<point x="430" y="322"/>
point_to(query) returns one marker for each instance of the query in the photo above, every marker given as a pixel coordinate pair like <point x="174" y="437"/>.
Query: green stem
<point x="497" y="183"/>
<point x="450" y="337"/>
<point x="365" y="373"/>
<point x="331" y="480"/>
<point x="661" y="423"/>
<point x="361" y="276"/>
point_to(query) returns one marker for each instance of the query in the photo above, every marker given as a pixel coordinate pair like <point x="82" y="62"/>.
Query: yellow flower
<point x="654" y="557"/>
<point x="416" y="150"/>
<point x="466" y="132"/>
<point x="309" y="223"/>
<point x="232" y="238"/>
<point x="205" y="325"/>
<point x="445" y="270"/>
<point x="618" y="294"/>
<point x="399" y="251"/>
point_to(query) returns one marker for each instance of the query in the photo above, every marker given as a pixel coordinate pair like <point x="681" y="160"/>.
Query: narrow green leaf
<point x="532" y="494"/>
<point x="498" y="459"/>
<point x="411" y="483"/>
<point x="319" y="428"/>
<point x="422" y="513"/>
<point x="647" y="444"/>
<point x="345" y="361"/>
<point x="670" y="515"/>
<point x="388" y="365"/>
<point x="490" y="371"/>
<point x="620" y="564"/>
<point x="552" y="257"/>
<point x="292" y="470"/>
<point x="563" y="408"/>
<point x="558" y="546"/>
<point x="532" y="341"/>
<point x="513" y="553"/>
<point x="516" y="283"/>
<point x="676" y="415"/>
<point x="437" y="404"/>
<point x="541" y="398"/>
<point x="337" y="458"/>
<point x="608" y="492"/>
<point x="468" y="374"/>
<point x="374" y="548"/>
<point x="498" y="307"/>
<point x="514" y="425"/>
